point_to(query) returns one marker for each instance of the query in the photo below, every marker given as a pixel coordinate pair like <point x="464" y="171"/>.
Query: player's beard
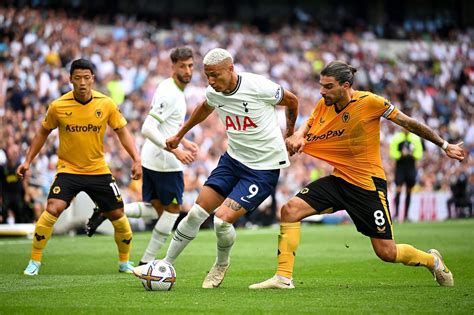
<point x="333" y="100"/>
<point x="183" y="80"/>
<point x="329" y="102"/>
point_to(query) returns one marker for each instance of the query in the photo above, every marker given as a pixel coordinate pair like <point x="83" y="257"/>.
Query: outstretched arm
<point x="290" y="101"/>
<point x="200" y="113"/>
<point x="35" y="147"/>
<point x="454" y="151"/>
<point x="129" y="144"/>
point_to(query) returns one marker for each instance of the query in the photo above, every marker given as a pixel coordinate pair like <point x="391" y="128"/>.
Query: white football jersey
<point x="250" y="119"/>
<point x="168" y="107"/>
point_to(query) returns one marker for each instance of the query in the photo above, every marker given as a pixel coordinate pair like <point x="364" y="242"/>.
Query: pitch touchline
<point x="15" y="242"/>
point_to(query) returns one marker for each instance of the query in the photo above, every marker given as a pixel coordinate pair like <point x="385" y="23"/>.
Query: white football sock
<point x="160" y="234"/>
<point x="140" y="210"/>
<point x="225" y="233"/>
<point x="186" y="231"/>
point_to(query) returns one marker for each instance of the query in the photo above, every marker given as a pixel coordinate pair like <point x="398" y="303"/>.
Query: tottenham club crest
<point x="346" y="117"/>
<point x="98" y="113"/>
<point x="245" y="104"/>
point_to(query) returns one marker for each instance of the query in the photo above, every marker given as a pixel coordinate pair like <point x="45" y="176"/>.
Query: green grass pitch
<point x="336" y="272"/>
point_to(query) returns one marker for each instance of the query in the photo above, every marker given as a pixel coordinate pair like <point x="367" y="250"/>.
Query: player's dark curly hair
<point x="181" y="53"/>
<point x="82" y="64"/>
<point x="340" y="70"/>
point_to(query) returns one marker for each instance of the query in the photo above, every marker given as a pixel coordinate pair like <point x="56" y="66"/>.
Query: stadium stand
<point x="428" y="74"/>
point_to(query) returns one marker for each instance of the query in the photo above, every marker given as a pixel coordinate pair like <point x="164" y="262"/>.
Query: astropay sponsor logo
<point x="83" y="128"/>
<point x="330" y="134"/>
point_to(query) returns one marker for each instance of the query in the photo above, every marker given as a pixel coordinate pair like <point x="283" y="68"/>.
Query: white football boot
<point x="215" y="276"/>
<point x="273" y="283"/>
<point x="33" y="268"/>
<point x="441" y="273"/>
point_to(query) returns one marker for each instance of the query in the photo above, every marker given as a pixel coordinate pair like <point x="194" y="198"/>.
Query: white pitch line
<point x="19" y="242"/>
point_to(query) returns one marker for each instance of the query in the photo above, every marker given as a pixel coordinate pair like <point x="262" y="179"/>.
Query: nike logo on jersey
<point x="219" y="106"/>
<point x="68" y="113"/>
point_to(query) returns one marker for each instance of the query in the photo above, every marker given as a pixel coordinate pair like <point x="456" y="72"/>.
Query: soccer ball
<point x="157" y="275"/>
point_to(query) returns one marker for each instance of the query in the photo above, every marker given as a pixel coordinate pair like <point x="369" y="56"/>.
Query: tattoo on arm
<point x="232" y="204"/>
<point x="418" y="128"/>
<point x="290" y="121"/>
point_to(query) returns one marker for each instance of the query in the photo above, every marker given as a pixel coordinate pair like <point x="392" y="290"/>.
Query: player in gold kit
<point x="82" y="116"/>
<point x="344" y="130"/>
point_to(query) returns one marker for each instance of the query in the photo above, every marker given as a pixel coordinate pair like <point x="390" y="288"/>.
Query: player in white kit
<point x="163" y="182"/>
<point x="248" y="172"/>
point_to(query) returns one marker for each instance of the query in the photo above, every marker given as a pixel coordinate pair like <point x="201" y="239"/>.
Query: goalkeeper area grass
<point x="336" y="272"/>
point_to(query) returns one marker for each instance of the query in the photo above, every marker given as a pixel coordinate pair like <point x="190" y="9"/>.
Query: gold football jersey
<point x="350" y="140"/>
<point x="81" y="130"/>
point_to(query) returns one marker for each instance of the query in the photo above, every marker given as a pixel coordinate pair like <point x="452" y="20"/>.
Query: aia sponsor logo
<point x="239" y="123"/>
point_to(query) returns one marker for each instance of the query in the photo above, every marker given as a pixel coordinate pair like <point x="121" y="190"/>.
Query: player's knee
<point x="221" y="225"/>
<point x="387" y="253"/>
<point x="224" y="229"/>
<point x="289" y="213"/>
<point x="114" y="214"/>
<point x="196" y="215"/>
<point x="55" y="208"/>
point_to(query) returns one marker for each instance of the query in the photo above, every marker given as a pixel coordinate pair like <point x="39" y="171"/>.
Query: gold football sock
<point x="43" y="231"/>
<point x="410" y="256"/>
<point x="123" y="237"/>
<point x="288" y="242"/>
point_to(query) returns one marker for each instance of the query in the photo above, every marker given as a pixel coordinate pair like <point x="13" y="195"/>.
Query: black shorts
<point x="405" y="176"/>
<point x="102" y="189"/>
<point x="368" y="209"/>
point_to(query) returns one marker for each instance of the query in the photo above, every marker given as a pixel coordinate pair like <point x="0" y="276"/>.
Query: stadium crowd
<point x="432" y="80"/>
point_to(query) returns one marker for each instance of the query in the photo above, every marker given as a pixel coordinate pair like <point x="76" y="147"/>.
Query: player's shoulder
<point x="252" y="79"/>
<point x="69" y="96"/>
<point x="251" y="76"/>
<point x="367" y="96"/>
<point x="168" y="81"/>
<point x="257" y="84"/>
<point x="98" y="95"/>
<point x="165" y="84"/>
<point x="168" y="88"/>
<point x="104" y="100"/>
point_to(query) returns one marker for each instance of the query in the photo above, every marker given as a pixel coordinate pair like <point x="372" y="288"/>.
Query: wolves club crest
<point x="346" y="117"/>
<point x="98" y="113"/>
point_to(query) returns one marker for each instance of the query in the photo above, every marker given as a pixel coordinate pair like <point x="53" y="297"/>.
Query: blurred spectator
<point x="15" y="193"/>
<point x="405" y="148"/>
<point x="460" y="202"/>
<point x="431" y="73"/>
